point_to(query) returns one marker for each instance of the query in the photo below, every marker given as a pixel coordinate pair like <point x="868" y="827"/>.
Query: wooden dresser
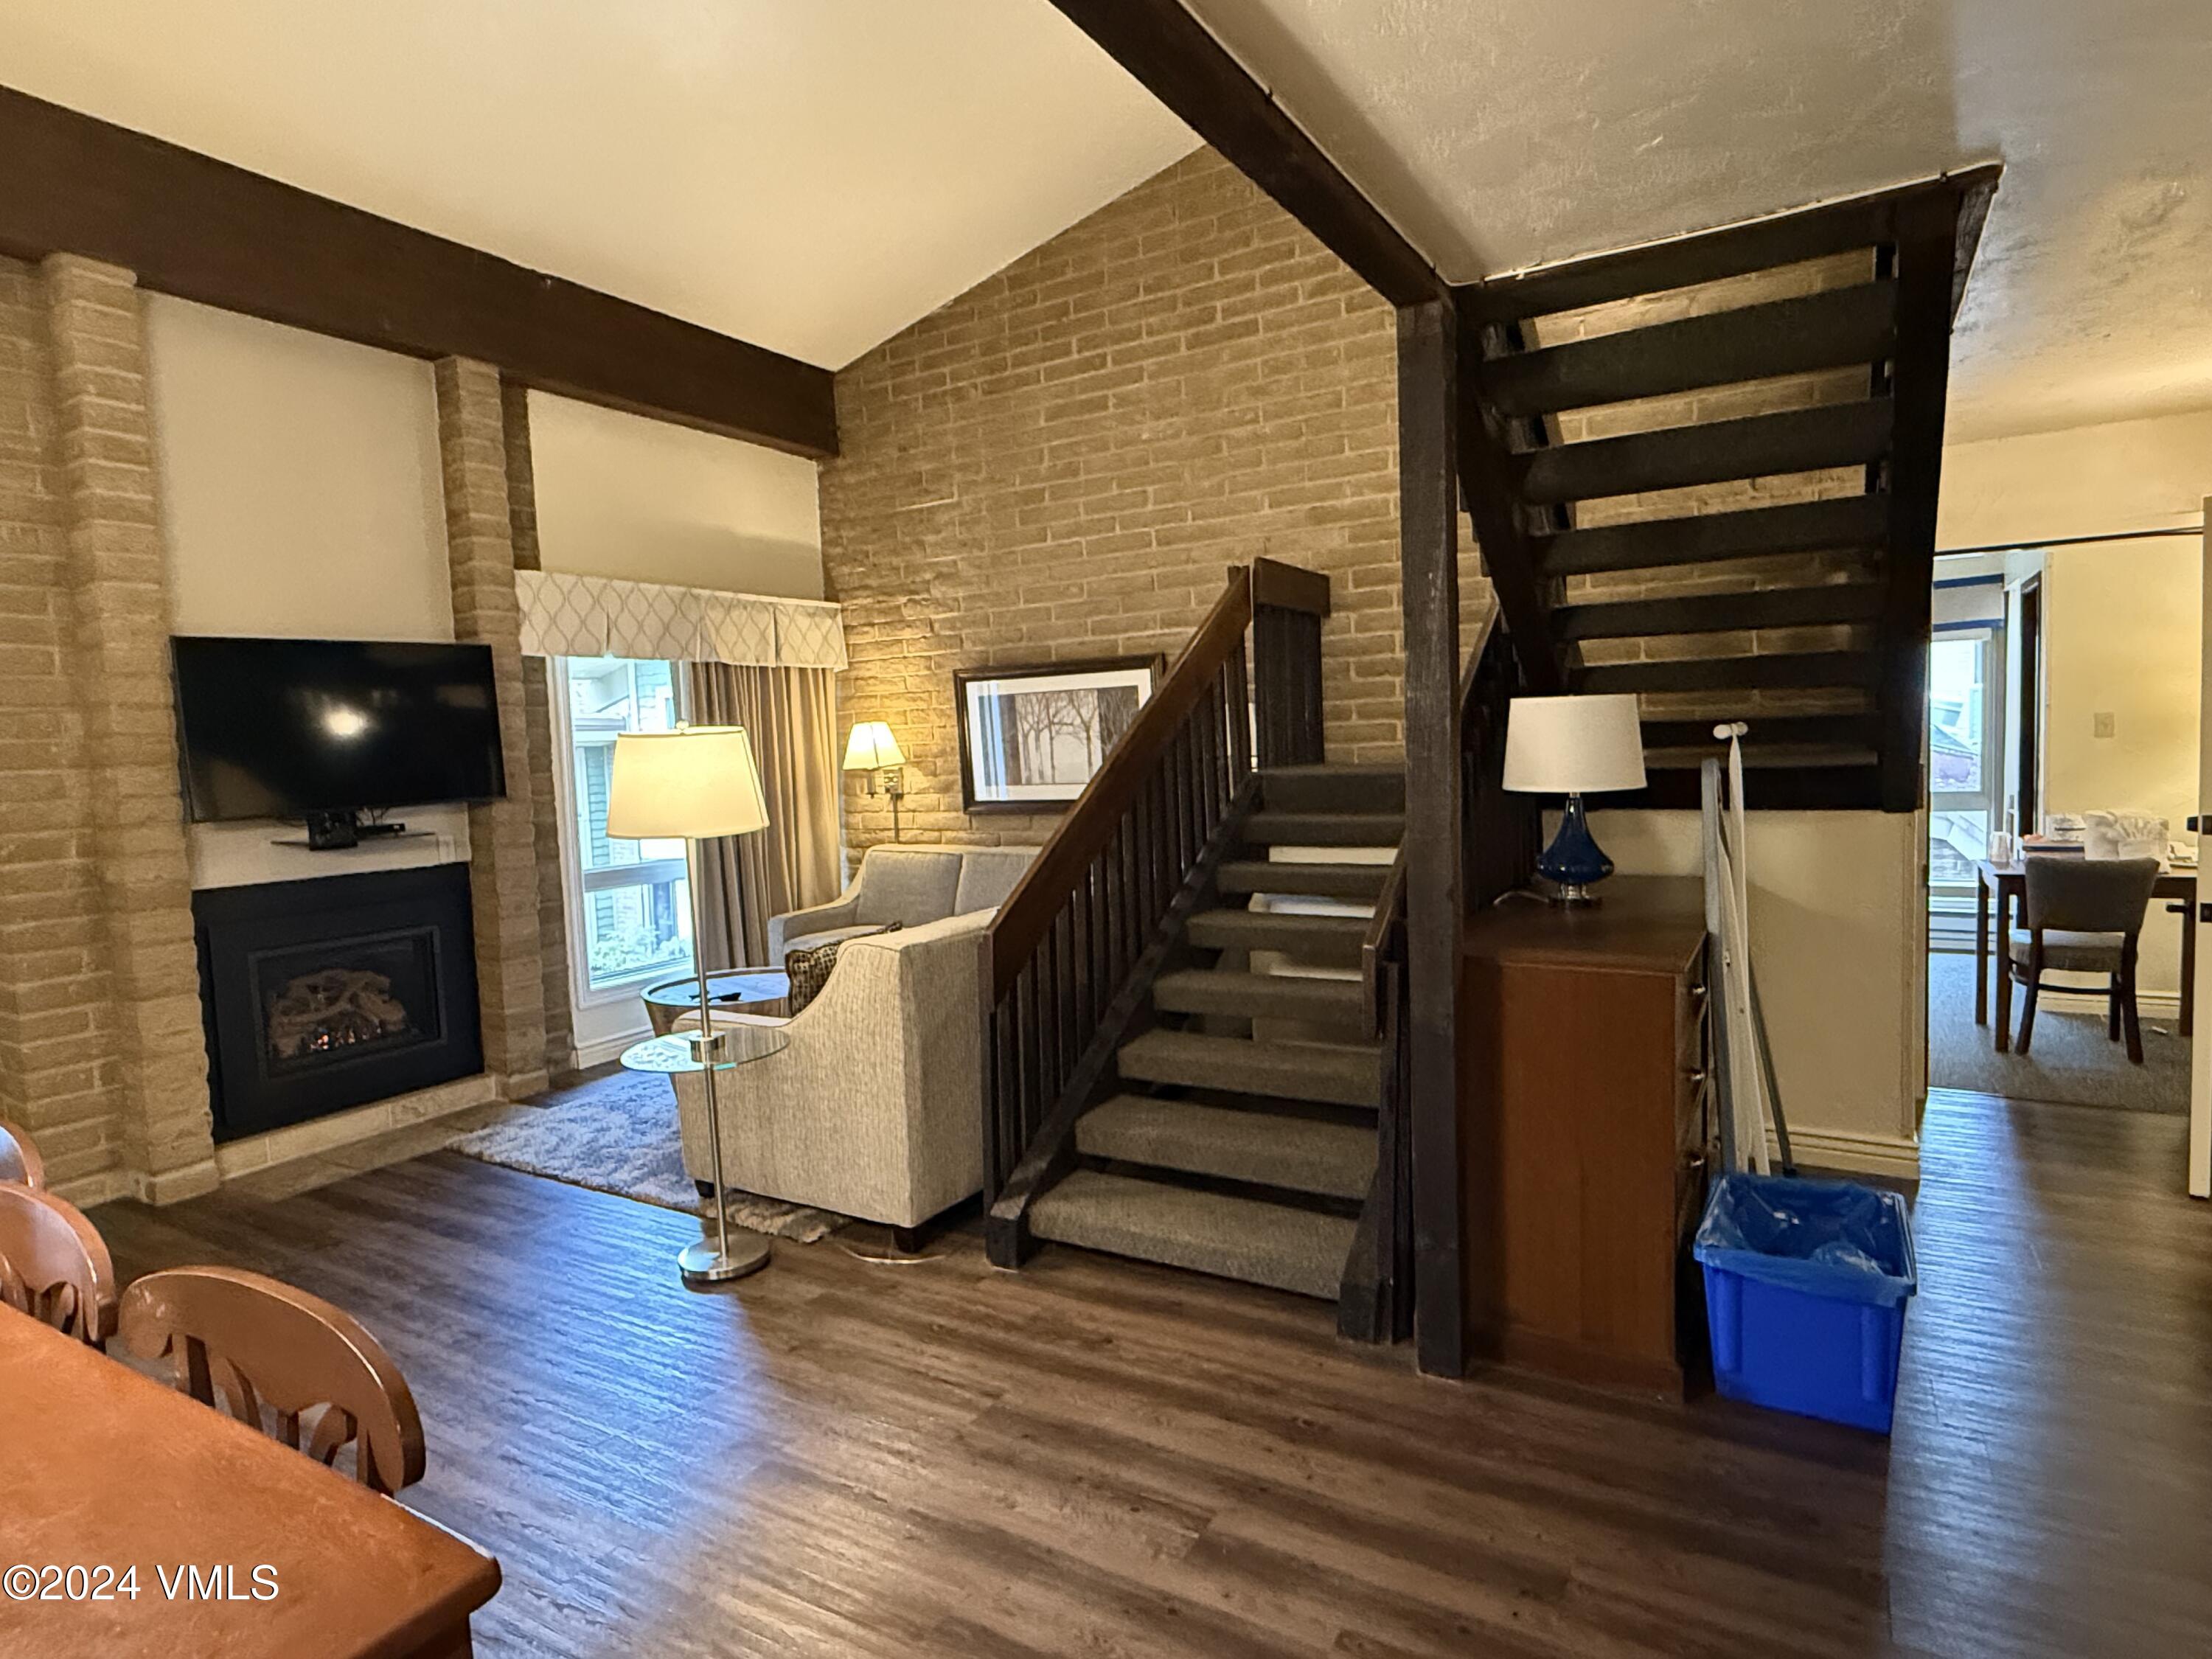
<point x="1586" y="1133"/>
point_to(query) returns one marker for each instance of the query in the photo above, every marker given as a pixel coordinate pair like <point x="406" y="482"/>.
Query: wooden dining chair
<point x="2084" y="916"/>
<point x="261" y="1344"/>
<point x="19" y="1157"/>
<point x="54" y="1265"/>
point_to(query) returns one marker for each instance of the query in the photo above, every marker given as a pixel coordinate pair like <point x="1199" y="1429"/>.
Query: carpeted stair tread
<point x="1262" y="1244"/>
<point x="1349" y="881"/>
<point x="1269" y="996"/>
<point x="1338" y="1074"/>
<point x="1329" y="940"/>
<point x="1304" y="1155"/>
<point x="1269" y="828"/>
<point x="1327" y="788"/>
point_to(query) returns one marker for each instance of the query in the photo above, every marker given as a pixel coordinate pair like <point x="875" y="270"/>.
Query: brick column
<point x="538" y="713"/>
<point x="56" y="1068"/>
<point x="502" y="839"/>
<point x="119" y="657"/>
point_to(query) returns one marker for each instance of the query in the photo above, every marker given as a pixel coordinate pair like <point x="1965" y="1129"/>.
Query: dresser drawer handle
<point x="1697" y="1077"/>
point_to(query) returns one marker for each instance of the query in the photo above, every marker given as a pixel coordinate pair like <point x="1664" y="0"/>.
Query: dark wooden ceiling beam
<point x="1174" y="57"/>
<point x="202" y="229"/>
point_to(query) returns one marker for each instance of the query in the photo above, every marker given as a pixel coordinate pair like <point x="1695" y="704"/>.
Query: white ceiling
<point x="811" y="175"/>
<point x="1502" y="133"/>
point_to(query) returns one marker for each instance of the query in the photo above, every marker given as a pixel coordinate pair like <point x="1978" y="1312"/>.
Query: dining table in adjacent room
<point x="137" y="1524"/>
<point x="2007" y="885"/>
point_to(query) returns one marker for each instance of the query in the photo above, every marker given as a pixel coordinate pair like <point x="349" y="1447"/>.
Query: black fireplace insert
<point x="324" y="994"/>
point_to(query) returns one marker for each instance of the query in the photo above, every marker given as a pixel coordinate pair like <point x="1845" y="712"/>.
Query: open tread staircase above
<point x="1759" y="544"/>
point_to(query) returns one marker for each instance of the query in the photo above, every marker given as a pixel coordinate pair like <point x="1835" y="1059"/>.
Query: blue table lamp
<point x="1574" y="746"/>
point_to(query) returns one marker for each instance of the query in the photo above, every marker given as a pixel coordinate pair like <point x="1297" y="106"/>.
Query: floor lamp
<point x="695" y="783"/>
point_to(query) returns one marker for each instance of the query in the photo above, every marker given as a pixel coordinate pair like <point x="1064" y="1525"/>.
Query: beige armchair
<point x="875" y="1109"/>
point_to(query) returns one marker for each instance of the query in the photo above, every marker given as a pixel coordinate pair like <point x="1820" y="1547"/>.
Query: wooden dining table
<point x="2006" y="884"/>
<point x="135" y="1521"/>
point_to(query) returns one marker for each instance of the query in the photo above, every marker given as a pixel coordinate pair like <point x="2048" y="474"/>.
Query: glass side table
<point x="714" y="1260"/>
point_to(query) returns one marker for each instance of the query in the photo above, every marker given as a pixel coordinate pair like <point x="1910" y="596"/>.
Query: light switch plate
<point x="2104" y="726"/>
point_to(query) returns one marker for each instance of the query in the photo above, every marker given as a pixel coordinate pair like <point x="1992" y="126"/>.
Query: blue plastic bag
<point x="1833" y="1239"/>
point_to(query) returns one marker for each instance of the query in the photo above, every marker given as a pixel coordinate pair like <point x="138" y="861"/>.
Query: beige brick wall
<point x="1065" y="461"/>
<point x="502" y="834"/>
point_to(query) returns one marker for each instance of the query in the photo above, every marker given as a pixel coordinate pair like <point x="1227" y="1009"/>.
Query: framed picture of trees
<point x="1030" y="738"/>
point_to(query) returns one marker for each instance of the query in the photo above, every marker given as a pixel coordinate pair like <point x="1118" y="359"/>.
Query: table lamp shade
<point x="1574" y="745"/>
<point x="694" y="782"/>
<point x="871" y="747"/>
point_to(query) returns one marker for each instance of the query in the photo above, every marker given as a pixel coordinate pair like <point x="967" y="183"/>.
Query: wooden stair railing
<point x="1074" y="950"/>
<point x="1806" y="356"/>
<point x="1502" y="833"/>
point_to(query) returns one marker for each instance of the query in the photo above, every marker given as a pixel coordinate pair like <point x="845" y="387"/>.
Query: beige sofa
<point x="875" y="1107"/>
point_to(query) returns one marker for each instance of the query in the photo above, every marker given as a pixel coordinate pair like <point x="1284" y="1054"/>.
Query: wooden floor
<point x="842" y="1458"/>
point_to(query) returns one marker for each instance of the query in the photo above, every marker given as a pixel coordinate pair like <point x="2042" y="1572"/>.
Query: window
<point x="629" y="901"/>
<point x="1964" y="755"/>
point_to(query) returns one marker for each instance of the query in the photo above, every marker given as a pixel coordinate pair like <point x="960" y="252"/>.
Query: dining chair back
<point x="54" y="1265"/>
<point x="2084" y="916"/>
<point x="262" y="1344"/>
<point x="2087" y="895"/>
<point x="19" y="1157"/>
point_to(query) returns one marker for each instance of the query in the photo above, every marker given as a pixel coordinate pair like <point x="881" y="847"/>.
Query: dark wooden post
<point x="1926" y="255"/>
<point x="1428" y="512"/>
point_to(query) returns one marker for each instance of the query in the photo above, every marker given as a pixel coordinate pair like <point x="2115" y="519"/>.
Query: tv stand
<point x="329" y="832"/>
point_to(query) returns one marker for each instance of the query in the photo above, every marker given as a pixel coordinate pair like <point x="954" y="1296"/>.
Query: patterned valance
<point x="565" y="615"/>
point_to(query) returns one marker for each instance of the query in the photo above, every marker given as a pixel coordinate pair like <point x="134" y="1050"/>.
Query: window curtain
<point x="794" y="862"/>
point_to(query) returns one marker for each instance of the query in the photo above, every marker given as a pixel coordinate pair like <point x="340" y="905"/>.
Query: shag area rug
<point x="618" y="1134"/>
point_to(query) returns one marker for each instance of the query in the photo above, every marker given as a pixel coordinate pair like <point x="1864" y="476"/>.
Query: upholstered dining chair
<point x="261" y="1343"/>
<point x="19" y="1157"/>
<point x="2084" y="916"/>
<point x="54" y="1265"/>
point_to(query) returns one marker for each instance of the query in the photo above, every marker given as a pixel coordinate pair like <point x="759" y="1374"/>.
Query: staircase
<point x="1238" y="1134"/>
<point x="1704" y="472"/>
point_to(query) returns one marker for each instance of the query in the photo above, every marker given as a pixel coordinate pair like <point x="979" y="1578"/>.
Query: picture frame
<point x="1032" y="735"/>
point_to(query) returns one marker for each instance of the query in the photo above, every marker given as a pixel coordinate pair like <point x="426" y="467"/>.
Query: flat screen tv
<point x="320" y="729"/>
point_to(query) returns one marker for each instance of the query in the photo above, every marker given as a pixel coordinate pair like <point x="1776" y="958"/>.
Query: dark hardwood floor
<point x="837" y="1457"/>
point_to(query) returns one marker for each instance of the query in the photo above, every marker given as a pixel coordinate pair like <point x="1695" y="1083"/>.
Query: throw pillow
<point x="809" y="970"/>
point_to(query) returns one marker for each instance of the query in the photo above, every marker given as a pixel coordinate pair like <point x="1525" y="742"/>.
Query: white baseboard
<point x="1896" y="1156"/>
<point x="588" y="1054"/>
<point x="2150" y="1004"/>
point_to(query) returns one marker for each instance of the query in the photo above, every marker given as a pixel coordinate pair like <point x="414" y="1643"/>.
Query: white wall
<point x="1837" y="924"/>
<point x="301" y="498"/>
<point x="2085" y="481"/>
<point x="2121" y="620"/>
<point x="625" y="496"/>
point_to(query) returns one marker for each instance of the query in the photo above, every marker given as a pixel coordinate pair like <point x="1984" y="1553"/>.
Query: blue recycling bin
<point x="1805" y="1287"/>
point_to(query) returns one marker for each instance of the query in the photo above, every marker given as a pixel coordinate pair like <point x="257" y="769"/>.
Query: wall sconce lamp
<point x="872" y="750"/>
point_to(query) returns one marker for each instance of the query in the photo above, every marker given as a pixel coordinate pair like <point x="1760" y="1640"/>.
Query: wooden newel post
<point x="1428" y="506"/>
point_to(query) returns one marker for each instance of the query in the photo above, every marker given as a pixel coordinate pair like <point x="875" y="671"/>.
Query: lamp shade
<point x="871" y="745"/>
<point x="694" y="782"/>
<point x="1574" y="745"/>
